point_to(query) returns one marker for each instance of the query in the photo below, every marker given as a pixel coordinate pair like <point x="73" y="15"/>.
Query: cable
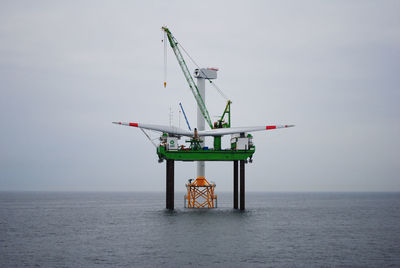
<point x="198" y="67"/>
<point x="147" y="135"/>
<point x="165" y="59"/>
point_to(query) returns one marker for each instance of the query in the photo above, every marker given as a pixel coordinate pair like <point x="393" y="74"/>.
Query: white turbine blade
<point x="213" y="132"/>
<point x="235" y="130"/>
<point x="164" y="129"/>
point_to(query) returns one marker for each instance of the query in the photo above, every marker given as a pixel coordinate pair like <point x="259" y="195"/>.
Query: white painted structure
<point x="201" y="75"/>
<point x="172" y="143"/>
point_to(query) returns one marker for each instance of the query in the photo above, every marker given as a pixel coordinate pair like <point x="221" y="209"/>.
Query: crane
<point x="184" y="114"/>
<point x="193" y="87"/>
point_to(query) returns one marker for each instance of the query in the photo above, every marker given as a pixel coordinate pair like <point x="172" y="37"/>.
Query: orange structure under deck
<point x="200" y="194"/>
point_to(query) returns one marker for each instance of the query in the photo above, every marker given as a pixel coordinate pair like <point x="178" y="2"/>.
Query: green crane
<point x="221" y="122"/>
<point x="188" y="76"/>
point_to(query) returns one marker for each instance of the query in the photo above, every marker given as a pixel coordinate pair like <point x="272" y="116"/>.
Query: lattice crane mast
<point x="192" y="85"/>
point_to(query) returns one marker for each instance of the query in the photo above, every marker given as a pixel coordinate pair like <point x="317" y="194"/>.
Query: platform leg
<point x="235" y="184"/>
<point x="170" y="184"/>
<point x="167" y="164"/>
<point x="242" y="186"/>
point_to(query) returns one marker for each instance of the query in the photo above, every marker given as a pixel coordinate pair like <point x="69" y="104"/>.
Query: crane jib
<point x="188" y="76"/>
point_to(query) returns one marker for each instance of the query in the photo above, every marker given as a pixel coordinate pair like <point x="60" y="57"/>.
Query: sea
<point x="132" y="229"/>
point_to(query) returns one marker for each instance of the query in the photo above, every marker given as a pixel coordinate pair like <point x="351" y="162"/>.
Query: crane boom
<point x="188" y="76"/>
<point x="184" y="114"/>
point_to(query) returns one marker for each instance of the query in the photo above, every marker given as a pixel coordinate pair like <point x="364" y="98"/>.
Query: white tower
<point x="201" y="75"/>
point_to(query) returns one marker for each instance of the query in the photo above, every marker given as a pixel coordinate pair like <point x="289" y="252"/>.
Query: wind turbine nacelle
<point x="206" y="73"/>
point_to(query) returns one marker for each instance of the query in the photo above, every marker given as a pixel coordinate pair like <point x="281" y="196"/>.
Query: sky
<point x="68" y="69"/>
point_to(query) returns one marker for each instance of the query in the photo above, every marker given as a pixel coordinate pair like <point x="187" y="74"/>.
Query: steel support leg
<point x="235" y="184"/>
<point x="170" y="185"/>
<point x="242" y="188"/>
<point x="167" y="164"/>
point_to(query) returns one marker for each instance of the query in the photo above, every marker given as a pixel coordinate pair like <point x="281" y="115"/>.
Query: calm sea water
<point x="44" y="229"/>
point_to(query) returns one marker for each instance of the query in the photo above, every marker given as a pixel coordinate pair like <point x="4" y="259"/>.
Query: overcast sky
<point x="68" y="69"/>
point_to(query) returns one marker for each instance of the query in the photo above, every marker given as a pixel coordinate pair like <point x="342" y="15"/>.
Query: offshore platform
<point x="201" y="192"/>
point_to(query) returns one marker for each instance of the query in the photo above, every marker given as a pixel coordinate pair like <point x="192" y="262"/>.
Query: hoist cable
<point x="165" y="59"/>
<point x="198" y="67"/>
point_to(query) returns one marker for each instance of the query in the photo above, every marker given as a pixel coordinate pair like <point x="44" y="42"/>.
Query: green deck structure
<point x="204" y="155"/>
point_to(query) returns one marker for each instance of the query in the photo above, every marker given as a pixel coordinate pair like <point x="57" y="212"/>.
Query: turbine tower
<point x="201" y="75"/>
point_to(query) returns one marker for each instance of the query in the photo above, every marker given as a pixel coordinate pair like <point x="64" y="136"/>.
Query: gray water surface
<point x="50" y="229"/>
